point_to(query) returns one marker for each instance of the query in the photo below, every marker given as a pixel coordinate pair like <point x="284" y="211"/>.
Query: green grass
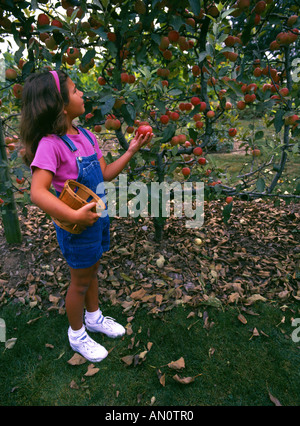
<point x="242" y="369"/>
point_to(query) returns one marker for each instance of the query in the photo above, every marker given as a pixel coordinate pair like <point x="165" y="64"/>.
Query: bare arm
<point x="110" y="171"/>
<point x="49" y="203"/>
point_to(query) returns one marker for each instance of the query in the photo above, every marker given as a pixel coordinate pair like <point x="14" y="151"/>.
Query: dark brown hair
<point x="42" y="110"/>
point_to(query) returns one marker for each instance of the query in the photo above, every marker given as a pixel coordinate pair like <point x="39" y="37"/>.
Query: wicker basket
<point x="76" y="200"/>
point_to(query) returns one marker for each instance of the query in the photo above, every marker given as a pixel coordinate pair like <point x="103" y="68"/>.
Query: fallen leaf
<point x="91" y="371"/>
<point x="211" y="352"/>
<point x="177" y="365"/>
<point x="185" y="380"/>
<point x="161" y="377"/>
<point x="242" y="319"/>
<point x="160" y="261"/>
<point x="274" y="400"/>
<point x="10" y="343"/>
<point x="255" y="298"/>
<point x="142" y="355"/>
<point x="137" y="295"/>
<point x="76" y="360"/>
<point x="255" y="332"/>
<point x="149" y="345"/>
<point x="128" y="359"/>
<point x="73" y="385"/>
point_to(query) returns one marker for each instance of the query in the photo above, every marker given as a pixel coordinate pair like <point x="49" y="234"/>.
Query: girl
<point x="56" y="151"/>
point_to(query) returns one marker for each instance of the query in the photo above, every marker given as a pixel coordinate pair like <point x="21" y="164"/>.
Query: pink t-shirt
<point x="53" y="154"/>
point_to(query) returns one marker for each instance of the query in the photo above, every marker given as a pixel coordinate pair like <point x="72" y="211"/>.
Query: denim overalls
<point x="85" y="249"/>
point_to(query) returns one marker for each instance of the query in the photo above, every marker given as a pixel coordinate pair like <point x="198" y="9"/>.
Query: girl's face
<point x="75" y="106"/>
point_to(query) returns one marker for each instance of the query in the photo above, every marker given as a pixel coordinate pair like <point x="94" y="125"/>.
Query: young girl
<point x="56" y="151"/>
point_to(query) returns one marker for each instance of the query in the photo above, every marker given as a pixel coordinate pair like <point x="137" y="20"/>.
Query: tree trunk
<point x="9" y="211"/>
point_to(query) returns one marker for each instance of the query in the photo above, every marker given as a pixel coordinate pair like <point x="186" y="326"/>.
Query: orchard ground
<point x="223" y="309"/>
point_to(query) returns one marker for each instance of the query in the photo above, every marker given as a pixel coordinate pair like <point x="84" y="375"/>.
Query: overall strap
<point x="86" y="133"/>
<point x="69" y="143"/>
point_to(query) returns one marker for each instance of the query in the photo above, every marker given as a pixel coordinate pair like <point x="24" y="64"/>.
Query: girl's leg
<point x="81" y="280"/>
<point x="91" y="296"/>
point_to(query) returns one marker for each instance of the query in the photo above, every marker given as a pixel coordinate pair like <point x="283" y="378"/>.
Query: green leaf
<point x="90" y="54"/>
<point x="259" y="135"/>
<point x="196" y="6"/>
<point x="260" y="184"/>
<point x="168" y="132"/>
<point x="278" y="120"/>
<point x="128" y="113"/>
<point x="226" y="212"/>
<point x="108" y="103"/>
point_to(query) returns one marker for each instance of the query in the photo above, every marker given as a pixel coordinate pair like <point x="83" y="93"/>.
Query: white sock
<point x="92" y="316"/>
<point x="76" y="333"/>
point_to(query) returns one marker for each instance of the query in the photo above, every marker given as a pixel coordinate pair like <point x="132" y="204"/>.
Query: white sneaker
<point x="106" y="325"/>
<point x="87" y="347"/>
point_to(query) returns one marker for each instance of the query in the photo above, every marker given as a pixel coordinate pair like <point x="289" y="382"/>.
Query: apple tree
<point x="195" y="71"/>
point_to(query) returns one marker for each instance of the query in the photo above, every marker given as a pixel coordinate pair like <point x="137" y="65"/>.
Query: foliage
<point x="192" y="69"/>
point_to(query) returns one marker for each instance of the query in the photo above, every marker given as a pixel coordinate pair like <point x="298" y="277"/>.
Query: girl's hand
<point x="138" y="141"/>
<point x="84" y="216"/>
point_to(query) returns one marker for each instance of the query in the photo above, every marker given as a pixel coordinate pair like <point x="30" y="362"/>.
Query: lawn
<point x="247" y="360"/>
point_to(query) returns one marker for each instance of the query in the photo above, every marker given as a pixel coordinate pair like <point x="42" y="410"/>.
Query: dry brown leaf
<point x="242" y="319"/>
<point x="128" y="359"/>
<point x="255" y="298"/>
<point x="177" y="365"/>
<point x="255" y="333"/>
<point x="77" y="360"/>
<point x="139" y="294"/>
<point x="142" y="355"/>
<point x="211" y="352"/>
<point x="91" y="371"/>
<point x="161" y="377"/>
<point x="73" y="385"/>
<point x="185" y="380"/>
<point x="149" y="345"/>
<point x="274" y="400"/>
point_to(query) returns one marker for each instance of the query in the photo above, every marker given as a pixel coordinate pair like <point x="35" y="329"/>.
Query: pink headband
<point x="55" y="75"/>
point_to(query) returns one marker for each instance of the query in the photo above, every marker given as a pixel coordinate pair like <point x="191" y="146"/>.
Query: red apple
<point x="97" y="128"/>
<point x="195" y="101"/>
<point x="256" y="152"/>
<point x="17" y="89"/>
<point x="10" y="74"/>
<point x="197" y="151"/>
<point x="232" y="132"/>
<point x="73" y="52"/>
<point x="43" y="20"/>
<point x="144" y="129"/>
<point x="101" y="81"/>
<point x="164" y="119"/>
<point x="124" y="77"/>
<point x="173" y="36"/>
<point x="210" y="114"/>
<point x="241" y="105"/>
<point x="186" y="171"/>
<point x="174" y="116"/>
<point x="202" y="161"/>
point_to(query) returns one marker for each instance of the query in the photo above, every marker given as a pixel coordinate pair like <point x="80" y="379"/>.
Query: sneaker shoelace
<point x="88" y="343"/>
<point x="108" y="322"/>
